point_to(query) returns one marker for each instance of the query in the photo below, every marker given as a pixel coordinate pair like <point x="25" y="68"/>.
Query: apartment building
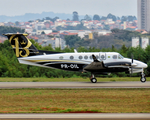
<point x="143" y="7"/>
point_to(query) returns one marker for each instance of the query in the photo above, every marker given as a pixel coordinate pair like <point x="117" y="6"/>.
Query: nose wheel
<point x="143" y="78"/>
<point x="93" y="79"/>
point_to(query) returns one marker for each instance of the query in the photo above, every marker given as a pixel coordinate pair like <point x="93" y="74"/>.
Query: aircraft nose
<point x="144" y="65"/>
<point x="140" y="64"/>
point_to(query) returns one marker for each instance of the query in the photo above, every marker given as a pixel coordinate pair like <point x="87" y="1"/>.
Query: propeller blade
<point x="94" y="58"/>
<point x="131" y="70"/>
<point x="132" y="58"/>
<point x="131" y="65"/>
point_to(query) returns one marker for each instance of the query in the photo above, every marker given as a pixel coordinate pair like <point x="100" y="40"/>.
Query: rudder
<point x="22" y="45"/>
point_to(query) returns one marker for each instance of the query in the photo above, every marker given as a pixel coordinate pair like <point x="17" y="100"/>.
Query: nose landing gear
<point x="93" y="79"/>
<point x="143" y="78"/>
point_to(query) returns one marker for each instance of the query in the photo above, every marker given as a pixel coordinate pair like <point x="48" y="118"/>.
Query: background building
<point x="143" y="14"/>
<point x="56" y="42"/>
<point x="144" y="42"/>
<point x="140" y="42"/>
<point x="135" y="41"/>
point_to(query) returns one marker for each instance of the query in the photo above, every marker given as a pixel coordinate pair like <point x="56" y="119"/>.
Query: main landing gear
<point x="143" y="78"/>
<point x="93" y="79"/>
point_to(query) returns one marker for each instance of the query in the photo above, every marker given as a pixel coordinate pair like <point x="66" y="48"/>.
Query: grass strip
<point x="75" y="100"/>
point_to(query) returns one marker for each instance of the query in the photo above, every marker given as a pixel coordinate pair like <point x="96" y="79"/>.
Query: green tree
<point x="103" y="18"/>
<point x="17" y="23"/>
<point x="110" y="16"/>
<point x="87" y="17"/>
<point x="54" y="19"/>
<point x="124" y="50"/>
<point x="75" y="16"/>
<point x="6" y="29"/>
<point x="96" y="17"/>
<point x="48" y="18"/>
<point x="72" y="39"/>
<point x="118" y="18"/>
<point x="131" y="18"/>
<point x="115" y="30"/>
<point x="123" y="18"/>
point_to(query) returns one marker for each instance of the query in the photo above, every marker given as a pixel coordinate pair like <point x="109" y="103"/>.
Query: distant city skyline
<point x="83" y="7"/>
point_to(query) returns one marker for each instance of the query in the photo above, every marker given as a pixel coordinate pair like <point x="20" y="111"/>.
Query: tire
<point x="94" y="80"/>
<point x="143" y="79"/>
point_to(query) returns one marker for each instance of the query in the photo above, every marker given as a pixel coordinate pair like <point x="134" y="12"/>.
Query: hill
<point x="34" y="16"/>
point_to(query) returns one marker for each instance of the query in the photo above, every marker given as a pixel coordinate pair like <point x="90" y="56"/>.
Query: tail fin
<point x="22" y="45"/>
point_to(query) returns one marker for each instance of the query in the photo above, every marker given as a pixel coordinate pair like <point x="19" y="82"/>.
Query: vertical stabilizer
<point x="22" y="45"/>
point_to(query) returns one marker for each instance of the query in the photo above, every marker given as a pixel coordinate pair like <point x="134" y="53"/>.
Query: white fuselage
<point x="72" y="61"/>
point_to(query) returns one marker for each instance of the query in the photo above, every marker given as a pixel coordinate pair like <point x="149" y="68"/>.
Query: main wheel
<point x="143" y="79"/>
<point x="93" y="80"/>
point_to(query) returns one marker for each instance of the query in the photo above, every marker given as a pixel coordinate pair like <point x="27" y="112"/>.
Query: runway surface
<point x="137" y="84"/>
<point x="83" y="116"/>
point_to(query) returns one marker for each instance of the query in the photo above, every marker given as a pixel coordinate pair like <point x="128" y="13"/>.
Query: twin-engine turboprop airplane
<point x="94" y="62"/>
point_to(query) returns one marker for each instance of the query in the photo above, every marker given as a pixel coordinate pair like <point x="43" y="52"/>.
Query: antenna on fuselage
<point x="75" y="51"/>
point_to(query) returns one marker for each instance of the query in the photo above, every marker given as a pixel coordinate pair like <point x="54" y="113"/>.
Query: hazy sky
<point x="90" y="7"/>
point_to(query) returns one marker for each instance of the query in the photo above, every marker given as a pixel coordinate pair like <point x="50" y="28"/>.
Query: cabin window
<point x="86" y="57"/>
<point x="102" y="57"/>
<point x="71" y="57"/>
<point x="80" y="57"/>
<point x="61" y="57"/>
<point x="114" y="56"/>
<point x="119" y="57"/>
<point x="91" y="57"/>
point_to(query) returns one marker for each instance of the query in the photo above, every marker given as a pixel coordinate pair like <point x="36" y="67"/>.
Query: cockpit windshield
<point x="120" y="56"/>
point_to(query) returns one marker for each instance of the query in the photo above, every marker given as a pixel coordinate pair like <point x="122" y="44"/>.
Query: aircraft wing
<point x="118" y="66"/>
